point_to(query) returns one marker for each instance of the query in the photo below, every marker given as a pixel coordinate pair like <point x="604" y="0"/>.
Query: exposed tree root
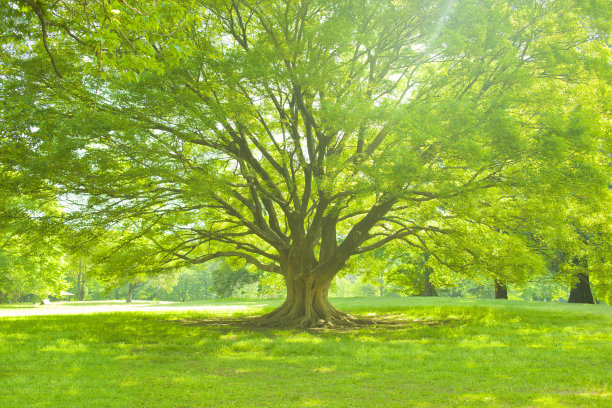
<point x="314" y="316"/>
<point x="348" y="325"/>
<point x="306" y="306"/>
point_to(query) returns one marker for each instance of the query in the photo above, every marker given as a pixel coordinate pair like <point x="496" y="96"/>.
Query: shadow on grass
<point x="370" y="322"/>
<point x="430" y="356"/>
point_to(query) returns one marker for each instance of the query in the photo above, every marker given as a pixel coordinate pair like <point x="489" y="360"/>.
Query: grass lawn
<point x="431" y="353"/>
<point x="17" y="306"/>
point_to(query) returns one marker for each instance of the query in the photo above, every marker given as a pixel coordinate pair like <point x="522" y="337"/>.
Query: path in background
<point x="62" y="308"/>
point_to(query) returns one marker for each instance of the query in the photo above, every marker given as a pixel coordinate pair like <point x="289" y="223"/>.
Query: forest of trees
<point x="408" y="276"/>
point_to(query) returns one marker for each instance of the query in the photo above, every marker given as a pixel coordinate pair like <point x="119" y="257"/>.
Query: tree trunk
<point x="306" y="305"/>
<point x="81" y="282"/>
<point x="81" y="287"/>
<point x="581" y="292"/>
<point x="309" y="277"/>
<point x="501" y="290"/>
<point x="130" y="293"/>
<point x="430" y="289"/>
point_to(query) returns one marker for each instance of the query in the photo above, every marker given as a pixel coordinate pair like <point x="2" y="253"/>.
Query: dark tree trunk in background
<point x="80" y="287"/>
<point x="430" y="290"/>
<point x="581" y="292"/>
<point x="81" y="282"/>
<point x="501" y="290"/>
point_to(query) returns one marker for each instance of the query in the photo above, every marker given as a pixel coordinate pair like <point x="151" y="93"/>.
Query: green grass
<point x="106" y="303"/>
<point x="447" y="352"/>
<point x="17" y="306"/>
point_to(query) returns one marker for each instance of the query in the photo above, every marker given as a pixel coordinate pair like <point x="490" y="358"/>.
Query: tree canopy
<point x="294" y="135"/>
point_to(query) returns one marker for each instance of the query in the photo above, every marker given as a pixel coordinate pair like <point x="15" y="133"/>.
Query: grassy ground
<point x="431" y="353"/>
<point x="17" y="306"/>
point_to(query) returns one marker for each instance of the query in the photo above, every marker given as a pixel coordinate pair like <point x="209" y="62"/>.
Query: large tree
<point x="296" y="134"/>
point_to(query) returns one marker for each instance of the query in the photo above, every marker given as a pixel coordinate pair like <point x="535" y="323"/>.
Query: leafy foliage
<point x="295" y="135"/>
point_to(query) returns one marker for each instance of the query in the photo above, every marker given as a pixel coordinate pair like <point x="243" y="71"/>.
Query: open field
<point x="72" y="308"/>
<point x="424" y="352"/>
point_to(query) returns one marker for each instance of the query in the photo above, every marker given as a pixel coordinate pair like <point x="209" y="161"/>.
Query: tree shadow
<point x="359" y="323"/>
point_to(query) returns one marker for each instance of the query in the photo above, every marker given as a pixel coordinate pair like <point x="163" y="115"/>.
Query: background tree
<point x="31" y="277"/>
<point x="81" y="264"/>
<point x="396" y="268"/>
<point x="33" y="263"/>
<point x="226" y="280"/>
<point x="121" y="259"/>
<point x="413" y="271"/>
<point x="193" y="283"/>
<point x="581" y="247"/>
<point x="81" y="279"/>
<point x="295" y="135"/>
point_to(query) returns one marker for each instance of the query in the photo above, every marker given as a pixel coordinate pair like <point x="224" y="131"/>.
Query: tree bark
<point x="81" y="282"/>
<point x="430" y="289"/>
<point x="130" y="293"/>
<point x="81" y="286"/>
<point x="501" y="290"/>
<point x="307" y="303"/>
<point x="82" y="289"/>
<point x="308" y="279"/>
<point x="581" y="292"/>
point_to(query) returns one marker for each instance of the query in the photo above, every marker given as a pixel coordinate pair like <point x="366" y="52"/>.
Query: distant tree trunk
<point x="130" y="293"/>
<point x="78" y="291"/>
<point x="81" y="282"/>
<point x="382" y="284"/>
<point x="182" y="294"/>
<point x="430" y="289"/>
<point x="79" y="278"/>
<point x="501" y="290"/>
<point x="581" y="292"/>
<point x="82" y="289"/>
